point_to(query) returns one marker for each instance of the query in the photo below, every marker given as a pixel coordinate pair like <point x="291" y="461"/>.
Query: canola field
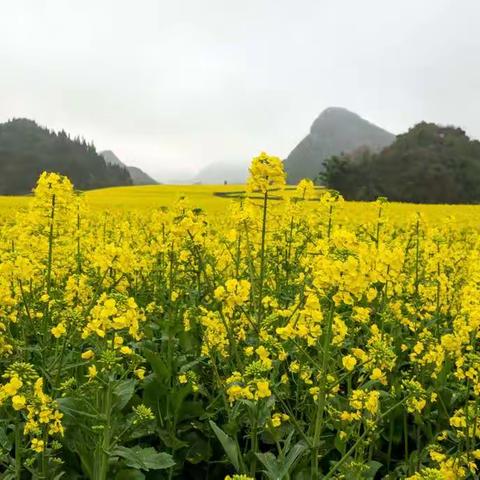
<point x="170" y="333"/>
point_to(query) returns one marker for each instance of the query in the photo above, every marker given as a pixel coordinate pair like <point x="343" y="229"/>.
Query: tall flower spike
<point x="266" y="174"/>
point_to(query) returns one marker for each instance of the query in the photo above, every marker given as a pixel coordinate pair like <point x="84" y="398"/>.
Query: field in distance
<point x="211" y="198"/>
<point x="215" y="199"/>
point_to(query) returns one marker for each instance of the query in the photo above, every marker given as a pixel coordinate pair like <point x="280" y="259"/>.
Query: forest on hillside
<point x="428" y="164"/>
<point x="27" y="150"/>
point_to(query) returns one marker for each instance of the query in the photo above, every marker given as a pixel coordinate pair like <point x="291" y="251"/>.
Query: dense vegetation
<point x="26" y="150"/>
<point x="428" y="164"/>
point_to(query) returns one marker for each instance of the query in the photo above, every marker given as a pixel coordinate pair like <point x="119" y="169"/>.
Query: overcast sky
<point x="173" y="85"/>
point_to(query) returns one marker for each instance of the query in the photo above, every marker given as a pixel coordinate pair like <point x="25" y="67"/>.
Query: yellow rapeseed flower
<point x="349" y="362"/>
<point x="88" y="355"/>
<point x="19" y="402"/>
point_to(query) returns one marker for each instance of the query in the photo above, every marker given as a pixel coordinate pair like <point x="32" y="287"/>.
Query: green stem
<point x="417" y="258"/>
<point x="322" y="399"/>
<point x="334" y="469"/>
<point x="18" y="451"/>
<point x="49" y="272"/>
<point x="377" y="233"/>
<point x="44" y="457"/>
<point x="106" y="438"/>
<point x="79" y="258"/>
<point x="254" y="442"/>
<point x="405" y="436"/>
<point x="390" y="444"/>
<point x="330" y="213"/>
<point x="50" y="246"/>
<point x="262" y="260"/>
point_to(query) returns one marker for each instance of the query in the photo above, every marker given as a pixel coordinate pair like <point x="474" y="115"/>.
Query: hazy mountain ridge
<point x="221" y="172"/>
<point x="139" y="177"/>
<point x="335" y="131"/>
<point x="27" y="150"/>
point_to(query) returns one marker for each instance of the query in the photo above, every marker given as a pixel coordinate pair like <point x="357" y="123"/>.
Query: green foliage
<point x="144" y="458"/>
<point x="230" y="446"/>
<point x="26" y="150"/>
<point x="428" y="164"/>
<point x="280" y="468"/>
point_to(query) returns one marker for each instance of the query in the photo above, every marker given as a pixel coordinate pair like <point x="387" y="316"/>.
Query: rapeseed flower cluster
<point x="23" y="391"/>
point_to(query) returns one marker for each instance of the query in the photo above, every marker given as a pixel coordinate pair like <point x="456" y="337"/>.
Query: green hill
<point x="335" y="131"/>
<point x="428" y="164"/>
<point x="26" y="150"/>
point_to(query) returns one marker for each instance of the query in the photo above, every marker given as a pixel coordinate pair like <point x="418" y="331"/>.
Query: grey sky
<point x="173" y="85"/>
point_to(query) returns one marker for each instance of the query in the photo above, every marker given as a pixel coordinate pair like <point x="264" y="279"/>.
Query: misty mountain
<point x="111" y="158"/>
<point x="220" y="172"/>
<point x="27" y="150"/>
<point x="139" y="177"/>
<point x="335" y="131"/>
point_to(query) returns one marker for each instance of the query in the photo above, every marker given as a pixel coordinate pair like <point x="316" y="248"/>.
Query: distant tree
<point x="428" y="164"/>
<point x="26" y="150"/>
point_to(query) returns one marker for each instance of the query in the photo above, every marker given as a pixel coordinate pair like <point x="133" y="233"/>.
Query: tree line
<point x="27" y="150"/>
<point x="428" y="164"/>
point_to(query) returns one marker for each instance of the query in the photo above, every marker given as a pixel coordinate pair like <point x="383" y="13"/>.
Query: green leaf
<point x="5" y="440"/>
<point x="340" y="444"/>
<point x="123" y="391"/>
<point x="271" y="463"/>
<point x="9" y="476"/>
<point x="293" y="456"/>
<point x="190" y="409"/>
<point x="188" y="366"/>
<point x="179" y="396"/>
<point x="277" y="469"/>
<point x="144" y="458"/>
<point x="73" y="408"/>
<point x="159" y="367"/>
<point x="199" y="449"/>
<point x="129" y="475"/>
<point x="374" y="467"/>
<point x="229" y="445"/>
<point x="171" y="441"/>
